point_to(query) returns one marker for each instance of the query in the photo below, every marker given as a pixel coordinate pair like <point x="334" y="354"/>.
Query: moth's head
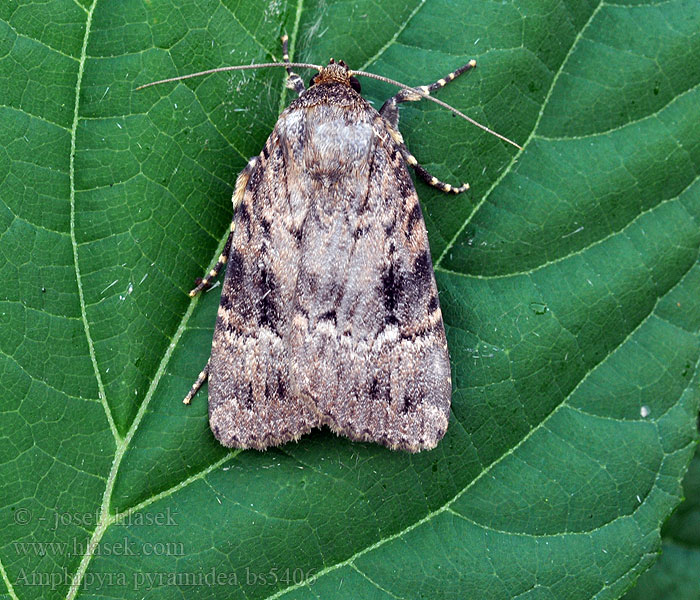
<point x="336" y="72"/>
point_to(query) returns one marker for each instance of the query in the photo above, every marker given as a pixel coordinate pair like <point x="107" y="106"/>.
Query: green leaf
<point x="569" y="282"/>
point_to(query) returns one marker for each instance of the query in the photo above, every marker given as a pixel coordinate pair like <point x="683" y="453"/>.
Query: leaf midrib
<point x="74" y="244"/>
<point x="104" y="507"/>
<point x="122" y="444"/>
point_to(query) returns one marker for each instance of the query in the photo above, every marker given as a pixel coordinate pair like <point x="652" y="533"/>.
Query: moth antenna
<point x="398" y="84"/>
<point x="427" y="96"/>
<point x="233" y="68"/>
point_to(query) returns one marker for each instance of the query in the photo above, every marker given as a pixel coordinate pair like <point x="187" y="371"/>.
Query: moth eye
<point x="355" y="84"/>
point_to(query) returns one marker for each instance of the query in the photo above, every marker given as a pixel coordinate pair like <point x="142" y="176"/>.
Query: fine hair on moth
<point x="329" y="311"/>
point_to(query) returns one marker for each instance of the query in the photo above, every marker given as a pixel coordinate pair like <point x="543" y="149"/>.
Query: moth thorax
<point x="334" y="72"/>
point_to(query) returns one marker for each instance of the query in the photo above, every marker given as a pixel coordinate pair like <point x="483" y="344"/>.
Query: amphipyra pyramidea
<point x="329" y="312"/>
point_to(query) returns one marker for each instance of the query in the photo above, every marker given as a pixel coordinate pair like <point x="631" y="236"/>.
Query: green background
<point x="568" y="275"/>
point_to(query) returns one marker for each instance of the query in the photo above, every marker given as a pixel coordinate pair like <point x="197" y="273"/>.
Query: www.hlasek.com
<point x="78" y="547"/>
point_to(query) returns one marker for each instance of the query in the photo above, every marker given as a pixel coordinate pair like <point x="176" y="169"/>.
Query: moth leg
<point x="238" y="192"/>
<point x="205" y="282"/>
<point x="390" y="112"/>
<point x="294" y="82"/>
<point x="421" y="171"/>
<point x="201" y="378"/>
<point x="390" y="109"/>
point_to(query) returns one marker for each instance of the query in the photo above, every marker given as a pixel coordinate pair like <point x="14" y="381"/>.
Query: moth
<point x="329" y="311"/>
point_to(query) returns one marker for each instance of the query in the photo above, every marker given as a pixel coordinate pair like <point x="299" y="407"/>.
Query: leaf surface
<point x="568" y="279"/>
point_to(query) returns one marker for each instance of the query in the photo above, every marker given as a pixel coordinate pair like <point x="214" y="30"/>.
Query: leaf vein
<point x="393" y="39"/>
<point x="76" y="263"/>
<point x="513" y="161"/>
<point x="576" y="252"/>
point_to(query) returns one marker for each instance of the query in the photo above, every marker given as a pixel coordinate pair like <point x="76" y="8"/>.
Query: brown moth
<point x="329" y="311"/>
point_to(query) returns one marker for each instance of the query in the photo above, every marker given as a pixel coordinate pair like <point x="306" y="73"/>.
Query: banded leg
<point x="421" y="171"/>
<point x="294" y="82"/>
<point x="241" y="183"/>
<point x="201" y="378"/>
<point x="205" y="282"/>
<point x="390" y="111"/>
